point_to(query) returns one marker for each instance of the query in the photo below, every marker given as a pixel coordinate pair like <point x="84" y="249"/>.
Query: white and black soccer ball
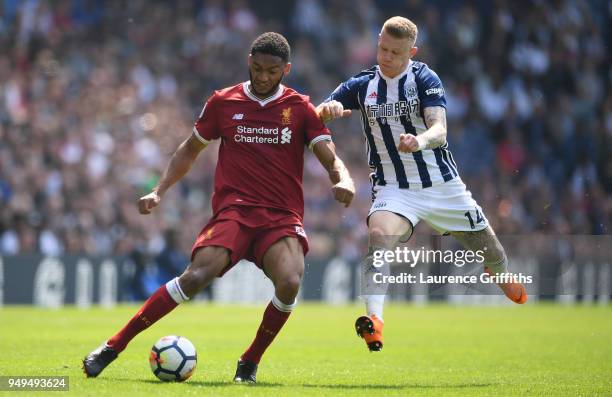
<point x="173" y="358"/>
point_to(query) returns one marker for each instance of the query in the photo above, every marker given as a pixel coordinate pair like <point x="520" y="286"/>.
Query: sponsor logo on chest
<point x="395" y="109"/>
<point x="278" y="133"/>
<point x="263" y="135"/>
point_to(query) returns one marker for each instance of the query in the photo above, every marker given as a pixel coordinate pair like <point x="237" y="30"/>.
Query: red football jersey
<point x="261" y="155"/>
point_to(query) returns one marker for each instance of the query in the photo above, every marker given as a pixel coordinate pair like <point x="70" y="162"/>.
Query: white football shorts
<point x="447" y="207"/>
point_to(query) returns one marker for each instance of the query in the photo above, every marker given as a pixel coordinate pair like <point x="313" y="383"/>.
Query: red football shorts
<point x="248" y="232"/>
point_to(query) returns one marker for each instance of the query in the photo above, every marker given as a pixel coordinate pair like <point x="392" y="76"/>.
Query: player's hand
<point x="331" y="110"/>
<point x="344" y="191"/>
<point x="408" y="143"/>
<point x="148" y="202"/>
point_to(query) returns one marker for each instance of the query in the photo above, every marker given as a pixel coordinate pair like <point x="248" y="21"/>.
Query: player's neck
<point x="265" y="96"/>
<point x="390" y="76"/>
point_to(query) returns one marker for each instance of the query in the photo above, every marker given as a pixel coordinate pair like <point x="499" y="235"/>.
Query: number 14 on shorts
<point x="479" y="218"/>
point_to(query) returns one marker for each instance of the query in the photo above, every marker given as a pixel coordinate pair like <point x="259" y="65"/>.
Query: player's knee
<point x="287" y="287"/>
<point x="206" y="265"/>
<point x="379" y="237"/>
<point x="376" y="232"/>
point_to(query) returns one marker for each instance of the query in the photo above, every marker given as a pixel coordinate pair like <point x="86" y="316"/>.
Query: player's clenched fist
<point x="331" y="110"/>
<point x="344" y="191"/>
<point x="408" y="143"/>
<point x="148" y="202"/>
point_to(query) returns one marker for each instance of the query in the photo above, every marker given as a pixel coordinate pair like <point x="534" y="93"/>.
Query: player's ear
<point x="287" y="68"/>
<point x="413" y="51"/>
<point x="250" y="61"/>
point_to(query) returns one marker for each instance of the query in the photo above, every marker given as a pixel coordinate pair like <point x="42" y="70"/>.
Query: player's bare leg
<point x="495" y="259"/>
<point x="385" y="229"/>
<point x="207" y="264"/>
<point x="283" y="263"/>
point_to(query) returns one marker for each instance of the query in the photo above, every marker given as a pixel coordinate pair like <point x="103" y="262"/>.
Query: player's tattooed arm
<point x="435" y="120"/>
<point x="344" y="188"/>
<point x="180" y="163"/>
<point x="435" y="136"/>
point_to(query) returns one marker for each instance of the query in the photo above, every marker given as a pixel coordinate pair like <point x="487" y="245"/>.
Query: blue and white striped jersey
<point x="390" y="107"/>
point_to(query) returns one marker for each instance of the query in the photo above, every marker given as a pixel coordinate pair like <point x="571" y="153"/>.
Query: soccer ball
<point x="173" y="358"/>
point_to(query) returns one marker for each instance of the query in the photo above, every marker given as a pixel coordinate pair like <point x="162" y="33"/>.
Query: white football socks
<point x="374" y="305"/>
<point x="373" y="293"/>
<point x="283" y="307"/>
<point x="175" y="291"/>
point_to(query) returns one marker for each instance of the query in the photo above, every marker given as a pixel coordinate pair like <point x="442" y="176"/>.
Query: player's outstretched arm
<point x="328" y="111"/>
<point x="435" y="136"/>
<point x="180" y="163"/>
<point x="344" y="188"/>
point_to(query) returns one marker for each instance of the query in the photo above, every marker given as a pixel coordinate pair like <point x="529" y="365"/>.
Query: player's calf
<point x="495" y="259"/>
<point x="207" y="263"/>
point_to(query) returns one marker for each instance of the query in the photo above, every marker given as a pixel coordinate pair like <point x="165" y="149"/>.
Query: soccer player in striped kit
<point x="414" y="177"/>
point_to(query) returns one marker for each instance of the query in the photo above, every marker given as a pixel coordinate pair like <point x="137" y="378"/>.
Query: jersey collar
<point x="399" y="76"/>
<point x="262" y="102"/>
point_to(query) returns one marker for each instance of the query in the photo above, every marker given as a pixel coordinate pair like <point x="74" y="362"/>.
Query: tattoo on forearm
<point x="335" y="175"/>
<point x="435" y="115"/>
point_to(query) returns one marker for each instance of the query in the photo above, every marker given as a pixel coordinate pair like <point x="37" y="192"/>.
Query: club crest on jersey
<point x="286" y="116"/>
<point x="411" y="92"/>
<point x="208" y="234"/>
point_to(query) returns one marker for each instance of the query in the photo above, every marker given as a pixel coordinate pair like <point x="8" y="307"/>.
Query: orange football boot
<point x="516" y="292"/>
<point x="370" y="329"/>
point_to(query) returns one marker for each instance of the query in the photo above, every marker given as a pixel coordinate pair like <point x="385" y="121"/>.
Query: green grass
<point x="537" y="350"/>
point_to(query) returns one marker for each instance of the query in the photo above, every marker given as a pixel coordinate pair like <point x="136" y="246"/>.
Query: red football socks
<point x="158" y="305"/>
<point x="273" y="321"/>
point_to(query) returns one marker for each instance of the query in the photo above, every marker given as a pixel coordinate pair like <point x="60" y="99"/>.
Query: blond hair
<point x="401" y="28"/>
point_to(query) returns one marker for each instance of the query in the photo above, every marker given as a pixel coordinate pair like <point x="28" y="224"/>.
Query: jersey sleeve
<point x="347" y="94"/>
<point x="431" y="91"/>
<point x="315" y="130"/>
<point x="206" y="127"/>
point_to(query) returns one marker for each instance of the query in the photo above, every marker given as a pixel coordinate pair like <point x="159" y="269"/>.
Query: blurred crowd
<point x="95" y="96"/>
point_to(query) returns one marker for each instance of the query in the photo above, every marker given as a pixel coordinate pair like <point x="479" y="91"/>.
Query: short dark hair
<point x="272" y="43"/>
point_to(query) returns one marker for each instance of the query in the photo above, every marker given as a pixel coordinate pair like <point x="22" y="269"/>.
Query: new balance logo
<point x="286" y="135"/>
<point x="373" y="95"/>
<point x="238" y="116"/>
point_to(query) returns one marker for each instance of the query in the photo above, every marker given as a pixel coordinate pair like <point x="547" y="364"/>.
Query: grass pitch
<point x="433" y="350"/>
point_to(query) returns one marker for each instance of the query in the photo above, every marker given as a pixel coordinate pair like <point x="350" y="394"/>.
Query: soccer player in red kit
<point x="258" y="202"/>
